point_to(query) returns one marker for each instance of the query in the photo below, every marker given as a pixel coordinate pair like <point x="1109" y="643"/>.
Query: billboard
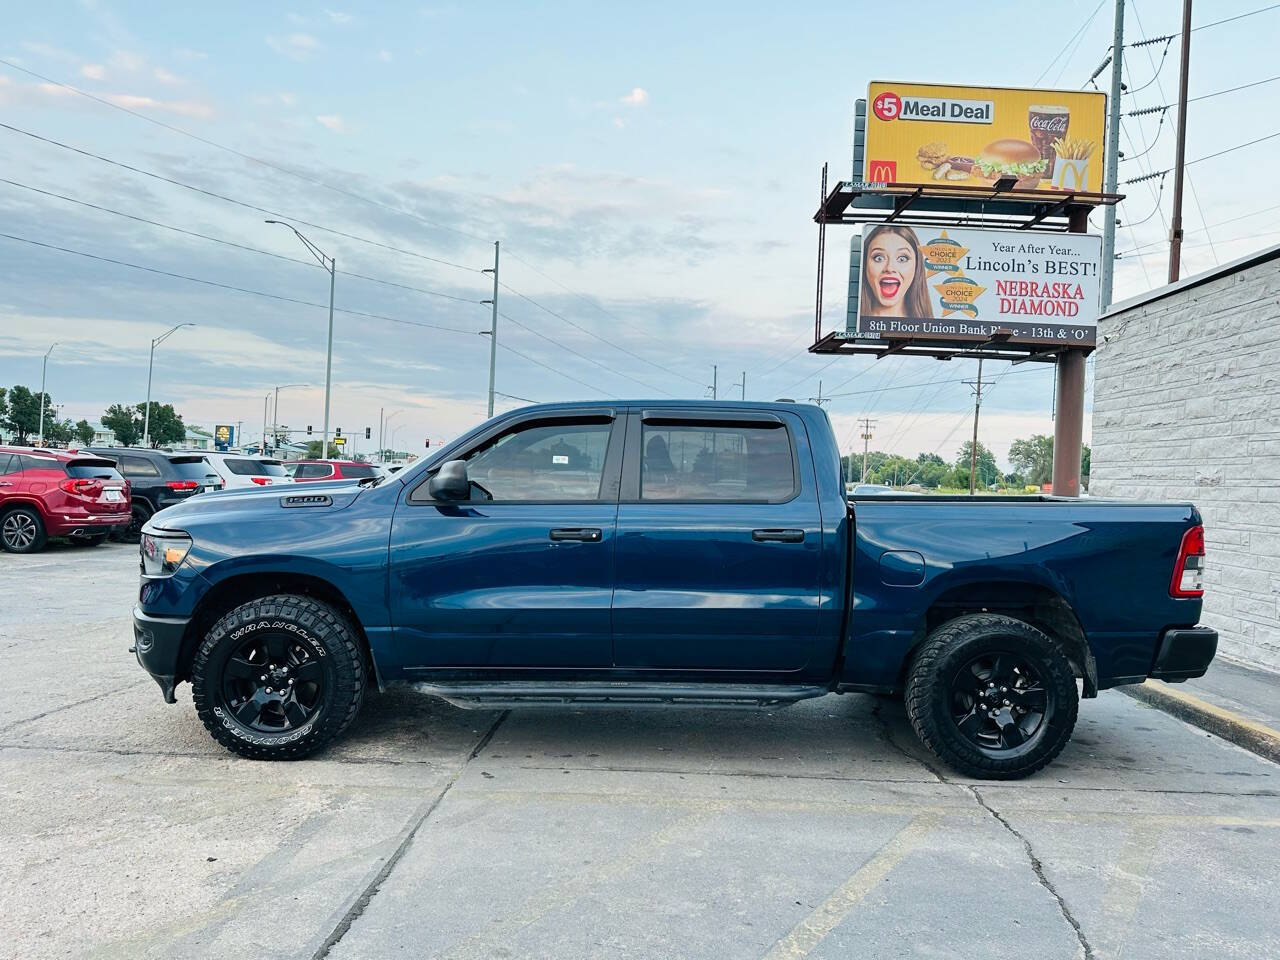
<point x="224" y="436"/>
<point x="945" y="284"/>
<point x="1047" y="140"/>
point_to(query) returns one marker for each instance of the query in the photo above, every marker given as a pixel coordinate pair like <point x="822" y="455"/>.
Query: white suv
<point x="241" y="470"/>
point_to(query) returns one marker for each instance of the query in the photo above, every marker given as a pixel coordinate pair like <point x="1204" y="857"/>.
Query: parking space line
<point x="1125" y="886"/>
<point x="833" y="911"/>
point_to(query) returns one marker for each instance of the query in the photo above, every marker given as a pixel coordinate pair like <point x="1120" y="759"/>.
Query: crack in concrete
<point x="370" y="889"/>
<point x="76" y="703"/>
<point x="1038" y="869"/>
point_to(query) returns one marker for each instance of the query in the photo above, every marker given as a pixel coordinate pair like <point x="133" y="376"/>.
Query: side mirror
<point x="450" y="482"/>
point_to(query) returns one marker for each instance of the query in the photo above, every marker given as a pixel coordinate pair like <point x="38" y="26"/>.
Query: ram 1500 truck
<point x="664" y="552"/>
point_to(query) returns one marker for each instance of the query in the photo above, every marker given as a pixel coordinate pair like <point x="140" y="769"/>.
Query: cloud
<point x="186" y="53"/>
<point x="331" y="121"/>
<point x="296" y="46"/>
<point x="94" y="71"/>
<point x="337" y="16"/>
<point x="164" y="76"/>
<point x="619" y="122"/>
<point x="124" y="60"/>
<point x="384" y="56"/>
<point x="45" y="50"/>
<point x="183" y="108"/>
<point x="638" y="97"/>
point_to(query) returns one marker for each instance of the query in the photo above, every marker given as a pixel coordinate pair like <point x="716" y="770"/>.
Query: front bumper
<point x="1184" y="654"/>
<point x="157" y="643"/>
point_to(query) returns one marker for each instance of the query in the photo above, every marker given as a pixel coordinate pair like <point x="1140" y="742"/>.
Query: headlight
<point x="162" y="553"/>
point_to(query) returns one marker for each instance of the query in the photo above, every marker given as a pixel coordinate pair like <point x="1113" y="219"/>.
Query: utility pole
<point x="1112" y="171"/>
<point x="1175" y="227"/>
<point x="380" y="411"/>
<point x="744" y="384"/>
<point x="819" y="399"/>
<point x="867" y="426"/>
<point x="265" y="401"/>
<point x="493" y="328"/>
<point x="715" y="380"/>
<point x="44" y="367"/>
<point x="973" y="447"/>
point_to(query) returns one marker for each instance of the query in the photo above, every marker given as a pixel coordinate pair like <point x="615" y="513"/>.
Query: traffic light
<point x="368" y="433"/>
<point x="428" y="442"/>
<point x="308" y="429"/>
<point x="337" y="432"/>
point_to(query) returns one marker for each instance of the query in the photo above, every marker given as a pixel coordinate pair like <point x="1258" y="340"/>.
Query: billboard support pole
<point x="1175" y="226"/>
<point x="822" y="256"/>
<point x="1068" y="401"/>
<point x="1112" y="171"/>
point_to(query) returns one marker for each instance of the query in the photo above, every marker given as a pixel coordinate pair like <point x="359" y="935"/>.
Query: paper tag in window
<point x="557" y="458"/>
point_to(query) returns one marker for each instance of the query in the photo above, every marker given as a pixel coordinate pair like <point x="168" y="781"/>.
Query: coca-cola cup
<point x="1047" y="123"/>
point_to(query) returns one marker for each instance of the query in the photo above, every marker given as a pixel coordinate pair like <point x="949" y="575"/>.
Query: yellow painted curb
<point x="1253" y="736"/>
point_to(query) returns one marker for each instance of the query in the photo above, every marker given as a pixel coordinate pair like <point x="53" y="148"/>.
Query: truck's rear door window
<point x="716" y="462"/>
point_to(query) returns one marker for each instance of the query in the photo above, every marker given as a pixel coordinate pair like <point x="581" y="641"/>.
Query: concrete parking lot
<point x="819" y="831"/>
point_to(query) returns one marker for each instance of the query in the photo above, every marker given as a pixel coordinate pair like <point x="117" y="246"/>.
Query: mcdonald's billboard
<point x="1045" y="139"/>
<point x="948" y="284"/>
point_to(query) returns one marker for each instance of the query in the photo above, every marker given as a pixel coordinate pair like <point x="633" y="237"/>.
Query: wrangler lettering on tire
<point x="278" y="678"/>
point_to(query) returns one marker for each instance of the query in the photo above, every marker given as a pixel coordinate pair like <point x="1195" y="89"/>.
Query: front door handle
<point x="778" y="536"/>
<point x="583" y="534"/>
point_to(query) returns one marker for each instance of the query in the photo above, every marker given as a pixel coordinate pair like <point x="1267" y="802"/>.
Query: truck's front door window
<point x="559" y="462"/>
<point x="709" y="463"/>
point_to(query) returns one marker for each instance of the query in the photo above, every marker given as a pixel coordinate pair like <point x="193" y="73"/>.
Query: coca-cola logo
<point x="1055" y="124"/>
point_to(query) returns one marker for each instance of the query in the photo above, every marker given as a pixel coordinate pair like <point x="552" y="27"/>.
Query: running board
<point x="473" y="695"/>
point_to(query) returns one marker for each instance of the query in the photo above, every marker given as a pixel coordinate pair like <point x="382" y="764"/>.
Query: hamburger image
<point x="1010" y="158"/>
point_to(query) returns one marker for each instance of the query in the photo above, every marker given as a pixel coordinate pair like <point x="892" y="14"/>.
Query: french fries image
<point x="1074" y="148"/>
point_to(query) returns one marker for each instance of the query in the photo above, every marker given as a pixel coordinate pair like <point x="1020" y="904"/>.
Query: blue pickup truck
<point x="670" y="552"/>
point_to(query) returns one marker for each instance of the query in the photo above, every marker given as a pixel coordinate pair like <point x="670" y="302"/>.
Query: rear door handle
<point x="584" y="534"/>
<point x="778" y="536"/>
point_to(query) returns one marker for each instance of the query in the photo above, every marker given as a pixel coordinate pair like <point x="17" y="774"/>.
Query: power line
<point x="229" y="243"/>
<point x="1148" y="41"/>
<point x="594" y="335"/>
<point x="556" y="370"/>
<point x="232" y="200"/>
<point x="569" y="349"/>
<point x="1209" y="156"/>
<point x="1082" y="28"/>
<point x="244" y="156"/>
<point x="229" y="286"/>
<point x="596" y="306"/>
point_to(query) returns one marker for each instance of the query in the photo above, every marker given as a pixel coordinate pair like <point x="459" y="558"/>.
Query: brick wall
<point x="1186" y="406"/>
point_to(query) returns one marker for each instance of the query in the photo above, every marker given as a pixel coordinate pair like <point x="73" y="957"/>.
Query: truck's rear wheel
<point x="991" y="696"/>
<point x="278" y="678"/>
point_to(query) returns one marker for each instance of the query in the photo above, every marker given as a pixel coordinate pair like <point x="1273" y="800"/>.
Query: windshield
<point x="244" y="467"/>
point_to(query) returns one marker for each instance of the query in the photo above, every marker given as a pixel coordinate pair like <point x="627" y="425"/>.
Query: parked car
<point x="870" y="490"/>
<point x="670" y="552"/>
<point x="158" y="480"/>
<point x="240" y="470"/>
<point x="53" y="493"/>
<point x="310" y="470"/>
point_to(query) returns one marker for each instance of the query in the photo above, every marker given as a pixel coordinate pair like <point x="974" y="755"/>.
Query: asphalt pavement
<point x="822" y="830"/>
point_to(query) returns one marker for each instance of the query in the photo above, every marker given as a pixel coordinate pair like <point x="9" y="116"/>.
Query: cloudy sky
<point x="650" y="170"/>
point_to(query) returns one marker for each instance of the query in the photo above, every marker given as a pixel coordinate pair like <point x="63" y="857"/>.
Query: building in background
<point x="1186" y="406"/>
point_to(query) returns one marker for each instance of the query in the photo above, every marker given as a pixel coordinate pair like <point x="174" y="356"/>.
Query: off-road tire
<point x="929" y="693"/>
<point x="22" y="530"/>
<point x="324" y="632"/>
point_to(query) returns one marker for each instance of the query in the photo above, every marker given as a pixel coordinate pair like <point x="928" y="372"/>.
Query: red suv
<point x="305" y="470"/>
<point x="55" y="493"/>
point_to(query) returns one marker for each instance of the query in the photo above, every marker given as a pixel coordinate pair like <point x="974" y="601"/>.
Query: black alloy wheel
<point x="279" y="677"/>
<point x="272" y="684"/>
<point x="22" y="531"/>
<point x="992" y="696"/>
<point x="999" y="702"/>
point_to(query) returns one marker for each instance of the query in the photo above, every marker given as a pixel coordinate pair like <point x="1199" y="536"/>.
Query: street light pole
<point x="151" y="359"/>
<point x="330" y="264"/>
<point x="275" y="409"/>
<point x="44" y="367"/>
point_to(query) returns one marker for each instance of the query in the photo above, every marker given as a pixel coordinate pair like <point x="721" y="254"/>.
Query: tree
<point x="83" y="431"/>
<point x="124" y="422"/>
<point x="1086" y="455"/>
<point x="58" y="432"/>
<point x="313" y="450"/>
<point x="1033" y="458"/>
<point x="166" y="427"/>
<point x="23" y="413"/>
<point x="987" y="471"/>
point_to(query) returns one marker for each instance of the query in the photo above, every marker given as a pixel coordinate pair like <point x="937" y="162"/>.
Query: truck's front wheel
<point x="992" y="696"/>
<point x="278" y="678"/>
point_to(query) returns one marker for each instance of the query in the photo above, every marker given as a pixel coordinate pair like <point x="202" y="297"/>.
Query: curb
<point x="1253" y="736"/>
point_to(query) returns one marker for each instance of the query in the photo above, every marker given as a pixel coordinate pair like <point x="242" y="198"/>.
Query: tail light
<point x="182" y="484"/>
<point x="261" y="481"/>
<point x="1188" y="572"/>
<point x="82" y="487"/>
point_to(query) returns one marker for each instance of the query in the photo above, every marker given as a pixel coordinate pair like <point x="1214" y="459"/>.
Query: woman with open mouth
<point x="893" y="279"/>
